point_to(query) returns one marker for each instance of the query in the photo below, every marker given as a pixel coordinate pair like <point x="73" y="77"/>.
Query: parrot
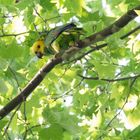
<point x="56" y="40"/>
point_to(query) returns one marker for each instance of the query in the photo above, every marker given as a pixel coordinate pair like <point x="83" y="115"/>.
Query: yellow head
<point x="39" y="48"/>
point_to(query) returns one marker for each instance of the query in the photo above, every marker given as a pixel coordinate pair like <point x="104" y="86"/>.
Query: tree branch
<point x="113" y="28"/>
<point x="30" y="87"/>
<point x="124" y="20"/>
<point x="131" y="32"/>
<point x="7" y="35"/>
<point x="110" y="80"/>
<point x="98" y="47"/>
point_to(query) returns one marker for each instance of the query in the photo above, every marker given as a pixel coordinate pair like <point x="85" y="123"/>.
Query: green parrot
<point x="57" y="40"/>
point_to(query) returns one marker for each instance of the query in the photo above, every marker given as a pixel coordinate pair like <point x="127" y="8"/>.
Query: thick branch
<point x="124" y="20"/>
<point x="98" y="47"/>
<point x="30" y="87"/>
<point x="113" y="28"/>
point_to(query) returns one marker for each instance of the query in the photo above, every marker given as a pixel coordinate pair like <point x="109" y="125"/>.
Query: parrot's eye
<point x="38" y="46"/>
<point x="35" y="52"/>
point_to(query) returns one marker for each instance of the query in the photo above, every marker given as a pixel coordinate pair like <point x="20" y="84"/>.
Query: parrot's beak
<point x="39" y="54"/>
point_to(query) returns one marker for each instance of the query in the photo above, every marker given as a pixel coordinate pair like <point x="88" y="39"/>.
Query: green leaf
<point x="105" y="70"/>
<point x="53" y="132"/>
<point x="3" y="87"/>
<point x="114" y="2"/>
<point x="132" y="4"/>
<point x="2" y="21"/>
<point x="23" y="4"/>
<point x="12" y="51"/>
<point x="75" y="6"/>
<point x="6" y="2"/>
<point x="63" y="118"/>
<point x="67" y="136"/>
<point x="134" y="134"/>
<point x="28" y="20"/>
<point x="14" y="121"/>
<point x="86" y="17"/>
<point x="3" y="123"/>
<point x="46" y="4"/>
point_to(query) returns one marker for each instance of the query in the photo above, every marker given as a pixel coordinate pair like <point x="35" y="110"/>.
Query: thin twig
<point x="131" y="32"/>
<point x="8" y="136"/>
<point x="6" y="35"/>
<point x="15" y="77"/>
<point x="32" y="127"/>
<point x="40" y="15"/>
<point x="65" y="70"/>
<point x="110" y="80"/>
<point x="70" y="90"/>
<point x="6" y="129"/>
<point x="126" y="100"/>
<point x="6" y="16"/>
<point x="17" y="107"/>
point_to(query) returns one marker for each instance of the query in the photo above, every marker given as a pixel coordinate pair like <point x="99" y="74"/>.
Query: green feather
<point x="61" y="37"/>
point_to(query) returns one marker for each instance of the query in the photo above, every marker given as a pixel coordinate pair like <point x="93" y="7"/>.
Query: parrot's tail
<point x="60" y="29"/>
<point x="68" y="26"/>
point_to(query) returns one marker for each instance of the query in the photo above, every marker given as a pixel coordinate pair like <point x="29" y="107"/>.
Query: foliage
<point x="96" y="97"/>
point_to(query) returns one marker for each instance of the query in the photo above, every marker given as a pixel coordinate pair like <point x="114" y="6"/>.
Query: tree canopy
<point x="92" y="96"/>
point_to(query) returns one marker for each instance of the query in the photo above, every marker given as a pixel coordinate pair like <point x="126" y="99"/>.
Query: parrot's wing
<point x="53" y="34"/>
